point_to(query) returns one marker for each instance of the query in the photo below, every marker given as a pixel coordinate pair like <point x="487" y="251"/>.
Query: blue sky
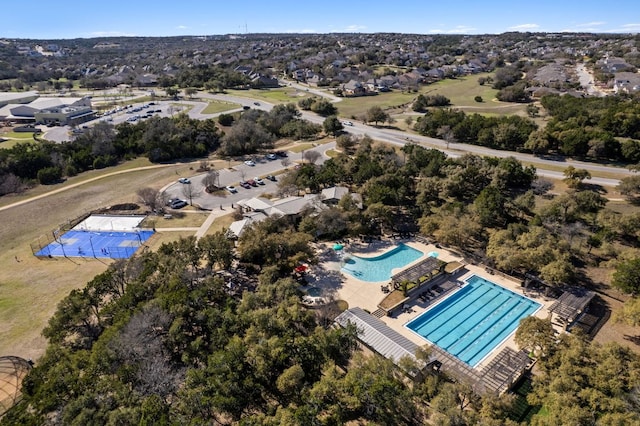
<point x="73" y="18"/>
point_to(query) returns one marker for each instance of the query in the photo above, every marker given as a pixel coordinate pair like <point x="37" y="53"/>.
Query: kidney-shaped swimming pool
<point x="376" y="269"/>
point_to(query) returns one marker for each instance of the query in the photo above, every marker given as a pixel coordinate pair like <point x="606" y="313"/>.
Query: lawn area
<point x="461" y="91"/>
<point x="31" y="288"/>
<point x="354" y="107"/>
<point x="178" y="220"/>
<point x="220" y="224"/>
<point x="301" y="147"/>
<point x="160" y="238"/>
<point x="281" y="95"/>
<point x="27" y="136"/>
<point x="14" y="138"/>
<point x="215" y="107"/>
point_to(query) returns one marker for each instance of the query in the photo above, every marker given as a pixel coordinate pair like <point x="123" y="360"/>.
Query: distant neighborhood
<point x="348" y="64"/>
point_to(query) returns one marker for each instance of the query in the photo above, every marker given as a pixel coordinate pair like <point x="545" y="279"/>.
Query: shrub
<point x="49" y="175"/>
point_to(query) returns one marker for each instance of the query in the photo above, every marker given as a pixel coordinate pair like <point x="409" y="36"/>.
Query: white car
<point x="249" y="163"/>
<point x="347" y="123"/>
<point x="184" y="180"/>
<point x="258" y="181"/>
<point x="231" y="189"/>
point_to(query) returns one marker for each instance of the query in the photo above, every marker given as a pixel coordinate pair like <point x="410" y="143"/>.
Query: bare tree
<point x="312" y="156"/>
<point x="446" y="133"/>
<point x="151" y="198"/>
<point x="140" y="345"/>
<point x="189" y="192"/>
<point x="211" y="180"/>
<point x="10" y="184"/>
<point x="285" y="162"/>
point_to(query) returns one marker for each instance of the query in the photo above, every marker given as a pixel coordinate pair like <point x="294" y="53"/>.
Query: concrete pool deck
<point x="367" y="295"/>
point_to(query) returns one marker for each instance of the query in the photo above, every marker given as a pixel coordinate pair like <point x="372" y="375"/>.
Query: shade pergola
<point x="572" y="303"/>
<point x="415" y="272"/>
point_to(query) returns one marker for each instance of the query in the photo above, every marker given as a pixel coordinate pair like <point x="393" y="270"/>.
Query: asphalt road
<point x="263" y="167"/>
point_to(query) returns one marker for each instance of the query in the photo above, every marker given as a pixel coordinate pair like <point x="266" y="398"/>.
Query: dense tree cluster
<point x="506" y="132"/>
<point x="160" y="139"/>
<point x="601" y="128"/>
<point x="256" y="130"/>
<point x="422" y="102"/>
<point x="163" y="339"/>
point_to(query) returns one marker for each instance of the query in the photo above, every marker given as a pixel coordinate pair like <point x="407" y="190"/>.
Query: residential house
<point x="316" y="80"/>
<point x="626" y="82"/>
<point x="354" y="88"/>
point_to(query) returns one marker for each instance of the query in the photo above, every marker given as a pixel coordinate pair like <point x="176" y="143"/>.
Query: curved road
<point x="396" y="137"/>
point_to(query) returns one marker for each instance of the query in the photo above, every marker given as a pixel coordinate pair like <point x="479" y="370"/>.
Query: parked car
<point x="256" y="103"/>
<point x="258" y="181"/>
<point x="347" y="123"/>
<point x="178" y="204"/>
<point x="272" y="178"/>
<point x="232" y="189"/>
<point x="272" y="156"/>
<point x="184" y="180"/>
<point x="281" y="154"/>
<point x="249" y="163"/>
<point x="252" y="182"/>
<point x="245" y="185"/>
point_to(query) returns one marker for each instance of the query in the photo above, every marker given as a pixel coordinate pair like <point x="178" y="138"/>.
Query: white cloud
<point x="349" y="29"/>
<point x="303" y="31"/>
<point x="459" y="29"/>
<point x="591" y="24"/>
<point x="111" y="34"/>
<point x="181" y="27"/>
<point x="524" y="27"/>
<point x="634" y="26"/>
<point x="625" y="28"/>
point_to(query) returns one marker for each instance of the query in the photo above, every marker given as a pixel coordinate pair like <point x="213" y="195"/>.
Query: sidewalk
<point x="207" y="223"/>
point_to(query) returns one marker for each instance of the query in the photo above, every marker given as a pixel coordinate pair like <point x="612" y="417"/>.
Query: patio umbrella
<point x="432" y="254"/>
<point x="338" y="247"/>
<point x="301" y="268"/>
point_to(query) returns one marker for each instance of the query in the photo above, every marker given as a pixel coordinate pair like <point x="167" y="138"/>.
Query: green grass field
<point x="281" y="95"/>
<point x="461" y="91"/>
<point x="215" y="107"/>
<point x="31" y="288"/>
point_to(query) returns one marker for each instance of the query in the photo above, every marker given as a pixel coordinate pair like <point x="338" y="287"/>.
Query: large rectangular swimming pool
<point x="474" y="320"/>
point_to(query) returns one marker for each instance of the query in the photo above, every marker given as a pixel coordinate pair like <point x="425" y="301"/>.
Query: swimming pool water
<point x="473" y="321"/>
<point x="375" y="269"/>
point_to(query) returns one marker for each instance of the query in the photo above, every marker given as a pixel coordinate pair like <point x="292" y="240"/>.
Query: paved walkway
<point x="207" y="223"/>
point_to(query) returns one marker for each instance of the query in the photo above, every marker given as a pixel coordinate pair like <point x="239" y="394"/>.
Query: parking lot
<point x="233" y="176"/>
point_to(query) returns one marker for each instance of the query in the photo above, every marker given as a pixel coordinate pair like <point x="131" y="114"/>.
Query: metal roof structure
<point x="415" y="272"/>
<point x="377" y="335"/>
<point x="572" y="303"/>
<point x="496" y="377"/>
<point x="12" y="371"/>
